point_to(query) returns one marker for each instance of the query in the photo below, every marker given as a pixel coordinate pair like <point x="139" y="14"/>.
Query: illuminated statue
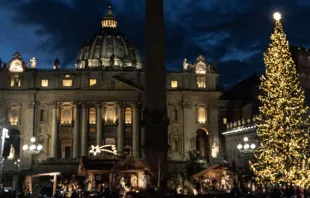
<point x="143" y="183"/>
<point x="33" y="62"/>
<point x="12" y="152"/>
<point x="215" y="150"/>
<point x="134" y="181"/>
<point x="185" y="64"/>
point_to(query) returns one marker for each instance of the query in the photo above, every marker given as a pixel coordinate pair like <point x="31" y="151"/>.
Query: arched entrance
<point x="202" y="142"/>
<point x="12" y="145"/>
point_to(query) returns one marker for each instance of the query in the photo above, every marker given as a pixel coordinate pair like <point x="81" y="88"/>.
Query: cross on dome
<point x="109" y="21"/>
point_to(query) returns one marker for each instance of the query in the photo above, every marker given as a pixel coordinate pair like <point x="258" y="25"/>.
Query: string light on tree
<point x="283" y="127"/>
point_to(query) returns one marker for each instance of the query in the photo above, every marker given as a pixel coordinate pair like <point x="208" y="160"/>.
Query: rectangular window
<point x="201" y="115"/>
<point x="44" y="83"/>
<point x="201" y="82"/>
<point x="92" y="82"/>
<point x="109" y="141"/>
<point x="67" y="152"/>
<point x="92" y="116"/>
<point x="67" y="83"/>
<point x="174" y="84"/>
<point x="128" y="115"/>
<point x="15" y="81"/>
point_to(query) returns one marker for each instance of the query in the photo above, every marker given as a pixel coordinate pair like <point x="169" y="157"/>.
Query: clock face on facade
<point x="16" y="66"/>
<point x="200" y="68"/>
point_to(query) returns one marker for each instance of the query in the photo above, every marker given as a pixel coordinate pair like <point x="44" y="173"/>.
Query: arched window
<point x="97" y="52"/>
<point x="66" y="115"/>
<point x="109" y="50"/>
<point x="14" y="115"/>
<point x="128" y="115"/>
<point x="110" y="115"/>
<point x="121" y="51"/>
<point x="92" y="116"/>
<point x="201" y="115"/>
<point x="201" y="82"/>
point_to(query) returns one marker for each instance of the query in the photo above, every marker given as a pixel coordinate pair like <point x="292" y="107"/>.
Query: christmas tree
<point x="282" y="128"/>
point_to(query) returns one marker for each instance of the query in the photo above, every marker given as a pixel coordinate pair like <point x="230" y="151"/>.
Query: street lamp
<point x="17" y="164"/>
<point x="246" y="147"/>
<point x="33" y="148"/>
<point x="4" y="135"/>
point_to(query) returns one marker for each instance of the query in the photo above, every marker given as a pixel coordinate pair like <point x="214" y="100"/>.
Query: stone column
<point x="54" y="132"/>
<point x="84" y="127"/>
<point x="27" y="129"/>
<point x="136" y="131"/>
<point x="76" y="132"/>
<point x="120" y="129"/>
<point x="189" y="120"/>
<point x="99" y="123"/>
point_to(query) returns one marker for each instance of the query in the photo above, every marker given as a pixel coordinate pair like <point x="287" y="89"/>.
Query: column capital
<point x="29" y="105"/>
<point x="99" y="104"/>
<point x="121" y="105"/>
<point x="84" y="104"/>
<point x="76" y="105"/>
<point x="136" y="104"/>
<point x="186" y="104"/>
<point x="53" y="104"/>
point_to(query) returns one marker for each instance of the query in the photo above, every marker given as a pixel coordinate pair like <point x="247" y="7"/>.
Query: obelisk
<point x="155" y="146"/>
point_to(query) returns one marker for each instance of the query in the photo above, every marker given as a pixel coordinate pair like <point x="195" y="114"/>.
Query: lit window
<point x="110" y="115"/>
<point x="66" y="115"/>
<point x="14" y="116"/>
<point x="201" y="82"/>
<point x="224" y="120"/>
<point x="128" y="116"/>
<point x="92" y="82"/>
<point x="92" y="116"/>
<point x="44" y="83"/>
<point x="201" y="115"/>
<point x="15" y="81"/>
<point x="67" y="83"/>
<point x="174" y="84"/>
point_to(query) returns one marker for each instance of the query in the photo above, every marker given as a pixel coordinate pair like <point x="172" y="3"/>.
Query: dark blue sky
<point x="231" y="33"/>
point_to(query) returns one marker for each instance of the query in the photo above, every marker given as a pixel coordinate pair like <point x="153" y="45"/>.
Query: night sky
<point x="231" y="33"/>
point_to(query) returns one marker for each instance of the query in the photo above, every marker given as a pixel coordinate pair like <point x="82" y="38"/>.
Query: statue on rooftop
<point x="33" y="62"/>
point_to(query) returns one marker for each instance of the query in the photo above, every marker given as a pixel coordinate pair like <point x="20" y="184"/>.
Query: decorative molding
<point x="136" y="104"/>
<point x="121" y="105"/>
<point x="110" y="85"/>
<point x="29" y="105"/>
<point x="53" y="104"/>
<point x="187" y="105"/>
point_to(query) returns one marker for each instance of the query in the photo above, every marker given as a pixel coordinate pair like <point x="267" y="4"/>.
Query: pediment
<point x="114" y="83"/>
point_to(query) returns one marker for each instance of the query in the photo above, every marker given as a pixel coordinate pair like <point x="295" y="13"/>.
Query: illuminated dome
<point x="108" y="48"/>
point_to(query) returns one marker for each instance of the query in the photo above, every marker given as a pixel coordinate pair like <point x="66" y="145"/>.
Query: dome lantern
<point x="109" y="21"/>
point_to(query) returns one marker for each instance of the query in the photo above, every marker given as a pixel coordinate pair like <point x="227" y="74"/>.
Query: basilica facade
<point x="100" y="102"/>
